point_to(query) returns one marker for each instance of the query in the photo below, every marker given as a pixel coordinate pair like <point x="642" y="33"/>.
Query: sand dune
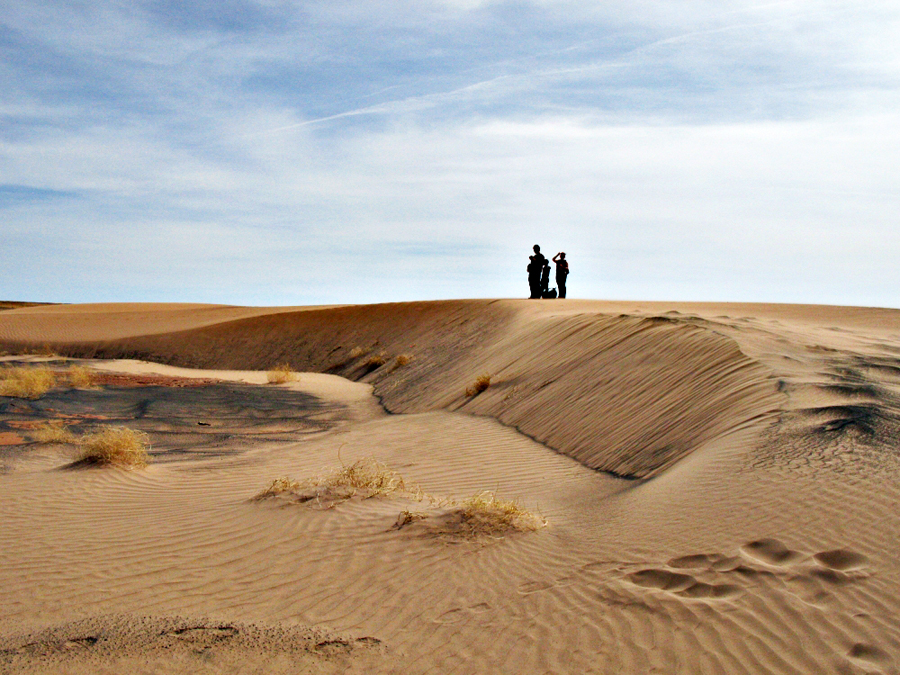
<point x="720" y="485"/>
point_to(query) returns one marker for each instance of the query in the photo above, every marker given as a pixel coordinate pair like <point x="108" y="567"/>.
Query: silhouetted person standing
<point x="545" y="279"/>
<point x="562" y="271"/>
<point x="535" y="268"/>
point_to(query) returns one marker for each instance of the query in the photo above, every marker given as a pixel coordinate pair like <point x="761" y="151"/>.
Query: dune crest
<point x="662" y="387"/>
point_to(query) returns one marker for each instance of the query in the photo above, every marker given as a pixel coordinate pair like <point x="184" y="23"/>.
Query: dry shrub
<point x="366" y="475"/>
<point x="481" y="515"/>
<point x="80" y="377"/>
<point x="482" y="382"/>
<point x="54" y="431"/>
<point x="402" y="360"/>
<point x="485" y="513"/>
<point x="376" y="361"/>
<point x="356" y="352"/>
<point x="281" y="374"/>
<point x="365" y="478"/>
<point x="278" y="486"/>
<point x="115" y="446"/>
<point x="26" y="382"/>
<point x="406" y="517"/>
<point x="47" y="350"/>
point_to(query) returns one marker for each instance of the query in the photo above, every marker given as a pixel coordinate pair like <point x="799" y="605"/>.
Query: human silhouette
<point x="545" y="279"/>
<point x="535" y="268"/>
<point x="562" y="271"/>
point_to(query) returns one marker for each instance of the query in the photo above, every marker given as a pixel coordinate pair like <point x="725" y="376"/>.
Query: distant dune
<point x="11" y="304"/>
<point x="720" y="482"/>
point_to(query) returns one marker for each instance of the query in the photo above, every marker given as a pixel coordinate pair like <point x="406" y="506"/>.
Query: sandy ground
<point x="720" y="485"/>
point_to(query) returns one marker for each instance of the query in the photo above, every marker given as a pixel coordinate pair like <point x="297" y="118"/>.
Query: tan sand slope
<point x="762" y="541"/>
<point x="676" y="385"/>
<point x="105" y="321"/>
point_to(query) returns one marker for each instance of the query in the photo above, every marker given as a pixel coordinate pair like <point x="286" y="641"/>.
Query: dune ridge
<point x="673" y="385"/>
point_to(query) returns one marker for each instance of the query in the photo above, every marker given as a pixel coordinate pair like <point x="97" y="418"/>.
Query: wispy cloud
<point x="265" y="152"/>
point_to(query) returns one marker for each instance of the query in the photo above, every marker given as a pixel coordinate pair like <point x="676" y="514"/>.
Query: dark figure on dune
<point x="562" y="271"/>
<point x="545" y="279"/>
<point x="535" y="268"/>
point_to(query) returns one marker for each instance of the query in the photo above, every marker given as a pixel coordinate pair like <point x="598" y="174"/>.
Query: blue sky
<point x="279" y="153"/>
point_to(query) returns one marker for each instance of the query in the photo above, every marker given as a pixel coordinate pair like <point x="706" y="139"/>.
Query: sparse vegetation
<point x="281" y="374"/>
<point x="376" y="361"/>
<point x="35" y="381"/>
<point x="26" y="381"/>
<point x="485" y="513"/>
<point x="80" y="377"/>
<point x="279" y="486"/>
<point x="115" y="446"/>
<point x="406" y="517"/>
<point x="482" y="382"/>
<point x="364" y="478"/>
<point x="54" y="432"/>
<point x="482" y="514"/>
<point x="366" y="475"/>
<point x="401" y="361"/>
<point x="357" y="352"/>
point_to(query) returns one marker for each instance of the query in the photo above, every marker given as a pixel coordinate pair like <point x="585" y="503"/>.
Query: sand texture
<point x="699" y="488"/>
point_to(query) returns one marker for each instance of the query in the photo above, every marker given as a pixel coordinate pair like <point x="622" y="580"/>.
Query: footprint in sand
<point x="702" y="590"/>
<point x="81" y="643"/>
<point x="662" y="580"/>
<point x="713" y="562"/>
<point x="869" y="654"/>
<point x="696" y="561"/>
<point x="530" y="587"/>
<point x="458" y="614"/>
<point x="841" y="559"/>
<point x="682" y="585"/>
<point x="771" y="552"/>
<point x="451" y="616"/>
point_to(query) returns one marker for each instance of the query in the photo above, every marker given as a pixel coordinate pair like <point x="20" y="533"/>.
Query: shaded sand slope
<point x="628" y="394"/>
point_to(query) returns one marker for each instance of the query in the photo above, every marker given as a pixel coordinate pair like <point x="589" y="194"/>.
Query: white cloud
<point x="692" y="150"/>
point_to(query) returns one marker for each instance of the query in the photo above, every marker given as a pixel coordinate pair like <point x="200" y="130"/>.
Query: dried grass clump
<point x="368" y="475"/>
<point x="80" y="377"/>
<point x="47" y="351"/>
<point x="482" y="382"/>
<point x="406" y="517"/>
<point x="356" y="352"/>
<point x="53" y="432"/>
<point x="26" y="381"/>
<point x="485" y="513"/>
<point x="278" y="486"/>
<point x="364" y="479"/>
<point x="281" y="374"/>
<point x="401" y="361"/>
<point x="115" y="446"/>
<point x="376" y="361"/>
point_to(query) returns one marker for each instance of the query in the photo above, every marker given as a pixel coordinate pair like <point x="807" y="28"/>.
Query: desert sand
<point x="717" y="488"/>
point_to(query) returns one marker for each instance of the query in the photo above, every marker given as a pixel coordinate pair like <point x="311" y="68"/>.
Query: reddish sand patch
<point x="25" y="424"/>
<point x="127" y="380"/>
<point x="10" y="438"/>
